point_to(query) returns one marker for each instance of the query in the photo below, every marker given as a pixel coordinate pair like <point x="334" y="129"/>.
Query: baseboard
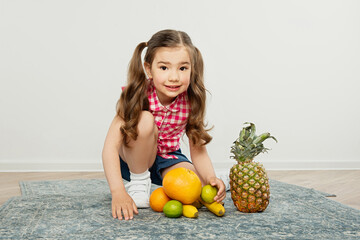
<point x="299" y="165"/>
<point x="50" y="166"/>
<point x="22" y="166"/>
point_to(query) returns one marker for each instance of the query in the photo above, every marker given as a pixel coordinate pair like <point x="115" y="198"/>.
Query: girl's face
<point x="170" y="72"/>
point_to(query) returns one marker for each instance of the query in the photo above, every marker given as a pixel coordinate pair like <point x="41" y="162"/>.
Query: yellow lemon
<point x="190" y="211"/>
<point x="208" y="193"/>
<point x="173" y="209"/>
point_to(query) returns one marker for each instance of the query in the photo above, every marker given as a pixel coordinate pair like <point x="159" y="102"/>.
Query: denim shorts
<point x="155" y="170"/>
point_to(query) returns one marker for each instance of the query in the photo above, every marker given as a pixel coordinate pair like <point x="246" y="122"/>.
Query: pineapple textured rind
<point x="249" y="185"/>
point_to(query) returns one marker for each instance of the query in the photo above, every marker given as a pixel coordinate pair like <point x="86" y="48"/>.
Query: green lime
<point x="173" y="209"/>
<point x="208" y="193"/>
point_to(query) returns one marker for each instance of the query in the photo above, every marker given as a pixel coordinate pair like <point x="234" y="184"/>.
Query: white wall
<point x="291" y="67"/>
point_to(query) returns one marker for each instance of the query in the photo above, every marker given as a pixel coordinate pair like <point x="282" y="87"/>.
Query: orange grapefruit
<point x="183" y="185"/>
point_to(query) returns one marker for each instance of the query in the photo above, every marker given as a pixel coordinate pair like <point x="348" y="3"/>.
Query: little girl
<point x="152" y="115"/>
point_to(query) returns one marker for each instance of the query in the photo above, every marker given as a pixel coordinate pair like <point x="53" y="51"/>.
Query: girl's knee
<point x="146" y="125"/>
<point x="184" y="165"/>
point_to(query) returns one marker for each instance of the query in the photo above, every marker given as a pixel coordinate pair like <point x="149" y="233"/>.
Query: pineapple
<point x="249" y="183"/>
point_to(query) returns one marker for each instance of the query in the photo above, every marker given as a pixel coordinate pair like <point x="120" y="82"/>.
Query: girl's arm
<point x="110" y="157"/>
<point x="122" y="203"/>
<point x="202" y="163"/>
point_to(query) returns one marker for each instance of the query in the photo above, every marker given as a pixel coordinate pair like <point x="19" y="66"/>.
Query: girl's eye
<point x="163" y="68"/>
<point x="183" y="68"/>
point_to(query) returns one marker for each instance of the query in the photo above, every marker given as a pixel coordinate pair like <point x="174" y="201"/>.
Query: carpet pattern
<point x="80" y="209"/>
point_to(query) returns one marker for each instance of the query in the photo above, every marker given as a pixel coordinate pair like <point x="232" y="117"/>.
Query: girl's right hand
<point x="123" y="205"/>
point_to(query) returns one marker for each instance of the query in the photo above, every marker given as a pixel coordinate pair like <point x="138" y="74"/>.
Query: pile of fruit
<point x="182" y="195"/>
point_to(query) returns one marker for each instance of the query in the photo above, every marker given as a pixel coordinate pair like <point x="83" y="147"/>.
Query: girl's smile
<point x="170" y="72"/>
<point x="173" y="88"/>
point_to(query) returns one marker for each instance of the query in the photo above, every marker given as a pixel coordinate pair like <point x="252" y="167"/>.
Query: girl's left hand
<point x="219" y="184"/>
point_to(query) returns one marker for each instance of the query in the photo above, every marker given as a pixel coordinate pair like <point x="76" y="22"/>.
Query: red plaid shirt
<point x="171" y="121"/>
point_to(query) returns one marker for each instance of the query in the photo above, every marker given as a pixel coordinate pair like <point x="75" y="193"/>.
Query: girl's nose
<point x="174" y="76"/>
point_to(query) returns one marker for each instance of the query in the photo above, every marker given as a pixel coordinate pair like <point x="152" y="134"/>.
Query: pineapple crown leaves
<point x="248" y="144"/>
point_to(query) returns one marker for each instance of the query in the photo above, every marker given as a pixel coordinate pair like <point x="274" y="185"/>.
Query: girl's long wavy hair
<point x="133" y="99"/>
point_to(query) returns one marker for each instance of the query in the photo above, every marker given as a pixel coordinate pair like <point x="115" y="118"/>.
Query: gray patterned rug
<point x="80" y="209"/>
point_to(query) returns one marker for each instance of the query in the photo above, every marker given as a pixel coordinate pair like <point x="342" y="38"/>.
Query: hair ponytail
<point x="195" y="128"/>
<point x="136" y="70"/>
<point x="133" y="99"/>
